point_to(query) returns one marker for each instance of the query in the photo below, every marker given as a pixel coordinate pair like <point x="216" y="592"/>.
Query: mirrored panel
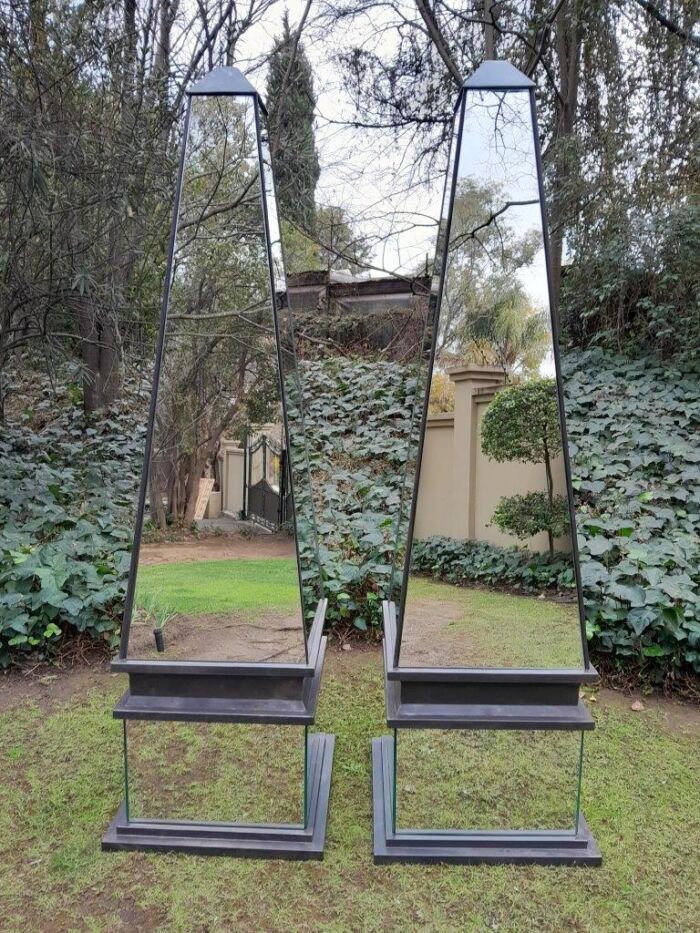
<point x="254" y="774"/>
<point x="487" y="780"/>
<point x="420" y="377"/>
<point x="492" y="582"/>
<point x="221" y="475"/>
<point x="297" y="456"/>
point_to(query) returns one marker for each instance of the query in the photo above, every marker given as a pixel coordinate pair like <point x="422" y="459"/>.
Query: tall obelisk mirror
<point x="220" y="457"/>
<point x="224" y="645"/>
<point x="493" y="458"/>
<point x="484" y="660"/>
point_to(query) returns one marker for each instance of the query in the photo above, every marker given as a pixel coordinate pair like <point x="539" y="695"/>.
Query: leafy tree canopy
<point x="522" y="423"/>
<point x="290" y="103"/>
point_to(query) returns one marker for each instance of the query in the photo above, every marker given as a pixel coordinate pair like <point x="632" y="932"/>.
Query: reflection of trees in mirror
<point x="330" y="242"/>
<point x="219" y="364"/>
<point x="487" y="315"/>
<point x="522" y="424"/>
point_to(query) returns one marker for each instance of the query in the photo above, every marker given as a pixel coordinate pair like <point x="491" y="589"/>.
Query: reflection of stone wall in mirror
<point x="228" y="593"/>
<point x="494" y="432"/>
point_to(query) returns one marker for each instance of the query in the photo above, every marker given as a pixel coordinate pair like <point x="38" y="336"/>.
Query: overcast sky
<point x="367" y="172"/>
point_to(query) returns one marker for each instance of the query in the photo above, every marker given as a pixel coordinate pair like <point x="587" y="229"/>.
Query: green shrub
<point x="480" y="562"/>
<point x="522" y="423"/>
<point x="636" y="287"/>
<point x="525" y="516"/>
<point x="67" y="494"/>
<point x="358" y="417"/>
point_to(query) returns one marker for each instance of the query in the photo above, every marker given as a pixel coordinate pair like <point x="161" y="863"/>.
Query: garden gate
<point x="268" y="498"/>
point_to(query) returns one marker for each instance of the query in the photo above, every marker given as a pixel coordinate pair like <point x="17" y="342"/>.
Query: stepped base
<point x="497" y="847"/>
<point x="238" y="839"/>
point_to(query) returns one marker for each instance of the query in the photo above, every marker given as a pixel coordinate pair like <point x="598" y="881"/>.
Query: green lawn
<point x="210" y="586"/>
<point x="494" y="629"/>
<point x="62" y="773"/>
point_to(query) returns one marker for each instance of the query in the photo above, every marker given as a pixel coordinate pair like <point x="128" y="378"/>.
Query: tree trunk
<point x="489" y="32"/>
<point x="196" y="466"/>
<point x="161" y="65"/>
<point x="158" y="515"/>
<point x="100" y="357"/>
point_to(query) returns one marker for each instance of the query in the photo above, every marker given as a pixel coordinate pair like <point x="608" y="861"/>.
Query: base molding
<point x="284" y="841"/>
<point x="497" y="847"/>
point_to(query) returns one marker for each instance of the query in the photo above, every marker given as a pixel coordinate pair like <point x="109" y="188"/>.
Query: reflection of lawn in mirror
<point x="250" y="586"/>
<point x="484" y="780"/>
<point x="253" y="773"/>
<point x="219" y="610"/>
<point x="453" y="626"/>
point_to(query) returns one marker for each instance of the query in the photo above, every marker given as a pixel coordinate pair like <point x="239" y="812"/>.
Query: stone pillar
<point x="468" y="380"/>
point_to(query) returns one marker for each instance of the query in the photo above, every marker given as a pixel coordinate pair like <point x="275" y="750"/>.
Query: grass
<point x="495" y="629"/>
<point x="484" y="780"/>
<point x="211" y="586"/>
<point x="62" y="773"/>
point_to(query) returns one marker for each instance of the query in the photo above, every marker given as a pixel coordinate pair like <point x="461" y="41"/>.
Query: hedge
<point x="67" y="495"/>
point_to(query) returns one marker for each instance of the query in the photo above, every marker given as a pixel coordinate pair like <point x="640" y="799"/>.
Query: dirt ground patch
<point x="223" y="547"/>
<point x="49" y="686"/>
<point x="676" y="715"/>
<point x="428" y="640"/>
<point x="223" y="637"/>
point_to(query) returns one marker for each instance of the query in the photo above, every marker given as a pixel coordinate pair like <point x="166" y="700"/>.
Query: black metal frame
<point x="480" y="698"/>
<point x="230" y="692"/>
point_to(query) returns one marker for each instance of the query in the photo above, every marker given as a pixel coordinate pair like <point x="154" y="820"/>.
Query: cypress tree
<point x="290" y="103"/>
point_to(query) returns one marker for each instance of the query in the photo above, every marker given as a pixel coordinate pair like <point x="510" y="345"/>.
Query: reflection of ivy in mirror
<point x="219" y="365"/>
<point x="522" y="423"/>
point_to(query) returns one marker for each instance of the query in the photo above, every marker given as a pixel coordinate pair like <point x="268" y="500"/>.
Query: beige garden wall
<point x="459" y="486"/>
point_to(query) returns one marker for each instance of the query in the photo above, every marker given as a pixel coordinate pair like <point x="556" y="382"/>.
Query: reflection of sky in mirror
<point x="498" y="153"/>
<point x="272" y="218"/>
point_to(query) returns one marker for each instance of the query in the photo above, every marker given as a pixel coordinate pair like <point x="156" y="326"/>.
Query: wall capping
<point x="470" y="372"/>
<point x="441" y="419"/>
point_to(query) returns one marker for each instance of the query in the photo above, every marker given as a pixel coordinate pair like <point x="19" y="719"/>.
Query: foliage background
<point x="69" y="487"/>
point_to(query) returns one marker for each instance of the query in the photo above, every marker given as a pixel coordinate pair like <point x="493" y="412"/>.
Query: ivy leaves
<point x="67" y="494"/>
<point x="634" y="428"/>
<point x="357" y="451"/>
